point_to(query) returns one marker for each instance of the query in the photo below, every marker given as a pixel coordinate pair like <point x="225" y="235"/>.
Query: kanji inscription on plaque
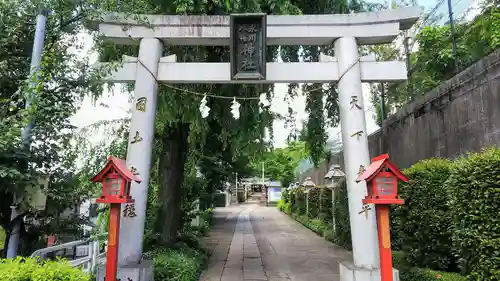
<point x="248" y="47"/>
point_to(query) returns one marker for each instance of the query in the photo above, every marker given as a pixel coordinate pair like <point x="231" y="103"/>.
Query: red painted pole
<point x="113" y="240"/>
<point x="384" y="242"/>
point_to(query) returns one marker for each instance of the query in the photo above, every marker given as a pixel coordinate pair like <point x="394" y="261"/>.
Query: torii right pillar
<point x="366" y="261"/>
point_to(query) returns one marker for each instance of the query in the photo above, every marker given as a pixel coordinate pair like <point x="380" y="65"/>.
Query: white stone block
<point x="143" y="271"/>
<point x="349" y="272"/>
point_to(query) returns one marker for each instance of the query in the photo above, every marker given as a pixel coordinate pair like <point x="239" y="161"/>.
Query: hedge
<point x="407" y="272"/>
<point x="320" y="211"/>
<point x="27" y="269"/>
<point x="450" y="220"/>
<point x="475" y="205"/>
<point x="422" y="227"/>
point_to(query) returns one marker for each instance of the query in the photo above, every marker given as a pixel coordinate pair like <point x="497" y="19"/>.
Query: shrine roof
<point x="379" y="163"/>
<point x="120" y="166"/>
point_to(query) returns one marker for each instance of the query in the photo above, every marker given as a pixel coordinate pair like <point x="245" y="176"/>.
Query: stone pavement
<point x="255" y="243"/>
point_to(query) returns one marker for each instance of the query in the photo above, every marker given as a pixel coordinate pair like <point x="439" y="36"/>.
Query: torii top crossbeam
<point x="368" y="28"/>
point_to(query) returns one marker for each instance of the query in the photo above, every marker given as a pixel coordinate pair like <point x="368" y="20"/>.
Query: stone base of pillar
<point x="349" y="272"/>
<point x="133" y="272"/>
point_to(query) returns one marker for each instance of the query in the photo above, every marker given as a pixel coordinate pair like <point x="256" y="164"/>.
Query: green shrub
<point x="182" y="263"/>
<point x="300" y="201"/>
<point x="281" y="205"/>
<point x="422" y="227"/>
<point x="219" y="200"/>
<point x="341" y="214"/>
<point x="286" y="195"/>
<point x="314" y="202"/>
<point x="207" y="217"/>
<point x="475" y="182"/>
<point x="409" y="273"/>
<point x="318" y="226"/>
<point x="320" y="210"/>
<point x="284" y="206"/>
<point x="326" y="211"/>
<point x="25" y="269"/>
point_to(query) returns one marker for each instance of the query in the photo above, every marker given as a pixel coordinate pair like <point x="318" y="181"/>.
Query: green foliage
<point x="314" y="202"/>
<point x="425" y="218"/>
<point x="409" y="273"/>
<point x="434" y="62"/>
<point x="320" y="214"/>
<point x="341" y="213"/>
<point x="475" y="183"/>
<point x="181" y="263"/>
<point x="24" y="269"/>
<point x="280" y="163"/>
<point x="62" y="80"/>
<point x="449" y="219"/>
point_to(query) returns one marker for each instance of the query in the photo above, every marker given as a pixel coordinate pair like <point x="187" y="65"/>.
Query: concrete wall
<point x="461" y="115"/>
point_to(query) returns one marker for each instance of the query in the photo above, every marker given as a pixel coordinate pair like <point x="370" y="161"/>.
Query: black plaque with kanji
<point x="248" y="47"/>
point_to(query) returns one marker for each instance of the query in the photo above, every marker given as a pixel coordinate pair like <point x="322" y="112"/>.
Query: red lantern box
<point x="382" y="185"/>
<point x="116" y="179"/>
<point x="382" y="181"/>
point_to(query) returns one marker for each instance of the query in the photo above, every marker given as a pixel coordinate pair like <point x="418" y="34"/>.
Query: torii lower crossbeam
<point x="324" y="71"/>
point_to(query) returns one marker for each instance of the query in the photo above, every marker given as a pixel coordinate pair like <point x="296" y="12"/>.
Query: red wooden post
<point x="115" y="178"/>
<point x="113" y="241"/>
<point x="384" y="242"/>
<point x="381" y="177"/>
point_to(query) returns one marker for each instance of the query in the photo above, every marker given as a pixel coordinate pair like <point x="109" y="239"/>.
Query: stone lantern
<point x="335" y="175"/>
<point x="308" y="184"/>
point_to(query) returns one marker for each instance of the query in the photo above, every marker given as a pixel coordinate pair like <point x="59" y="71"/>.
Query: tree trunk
<point x="171" y="175"/>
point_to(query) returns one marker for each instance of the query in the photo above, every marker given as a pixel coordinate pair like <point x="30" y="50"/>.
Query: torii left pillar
<point x="131" y="266"/>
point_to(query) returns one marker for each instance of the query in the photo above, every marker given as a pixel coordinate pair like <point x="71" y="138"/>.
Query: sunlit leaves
<point x="434" y="61"/>
<point x="55" y="91"/>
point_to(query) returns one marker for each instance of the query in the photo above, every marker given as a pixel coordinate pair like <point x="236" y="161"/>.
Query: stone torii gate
<point x="248" y="65"/>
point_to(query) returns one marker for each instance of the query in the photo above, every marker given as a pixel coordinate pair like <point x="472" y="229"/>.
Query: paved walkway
<point x="256" y="243"/>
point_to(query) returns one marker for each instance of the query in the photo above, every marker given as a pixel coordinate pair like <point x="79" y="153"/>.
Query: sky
<point x="118" y="104"/>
